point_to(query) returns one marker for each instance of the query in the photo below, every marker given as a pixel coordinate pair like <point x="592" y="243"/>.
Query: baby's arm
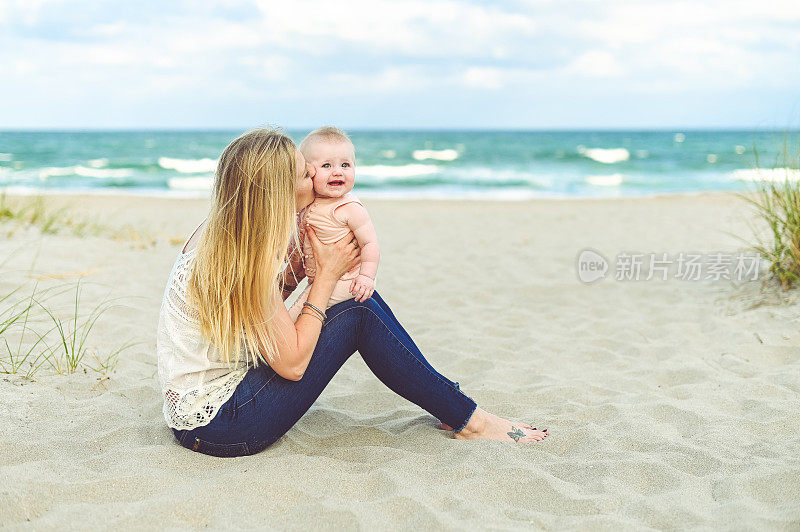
<point x="357" y="218"/>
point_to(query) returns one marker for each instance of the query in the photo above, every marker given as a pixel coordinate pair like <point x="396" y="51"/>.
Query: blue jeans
<point x="265" y="405"/>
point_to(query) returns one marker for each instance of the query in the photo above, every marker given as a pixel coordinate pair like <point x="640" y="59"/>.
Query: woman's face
<point x="304" y="182"/>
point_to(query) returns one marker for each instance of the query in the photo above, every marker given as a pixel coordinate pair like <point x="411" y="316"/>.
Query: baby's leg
<point x="297" y="307"/>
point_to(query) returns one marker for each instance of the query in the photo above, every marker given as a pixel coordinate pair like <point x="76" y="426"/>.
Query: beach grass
<point x="71" y="335"/>
<point x="18" y="314"/>
<point x="35" y="333"/>
<point x="50" y="219"/>
<point x="776" y="204"/>
<point x="42" y="336"/>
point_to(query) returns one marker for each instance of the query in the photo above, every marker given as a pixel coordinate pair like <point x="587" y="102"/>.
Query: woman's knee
<point x="345" y="307"/>
<point x="373" y="308"/>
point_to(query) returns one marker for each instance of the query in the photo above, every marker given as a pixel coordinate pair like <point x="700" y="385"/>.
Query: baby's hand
<point x="362" y="288"/>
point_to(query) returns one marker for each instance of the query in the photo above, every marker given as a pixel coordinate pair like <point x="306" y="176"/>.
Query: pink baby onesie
<point x="321" y="216"/>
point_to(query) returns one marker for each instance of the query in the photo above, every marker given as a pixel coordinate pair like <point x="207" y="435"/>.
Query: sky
<point x="397" y="64"/>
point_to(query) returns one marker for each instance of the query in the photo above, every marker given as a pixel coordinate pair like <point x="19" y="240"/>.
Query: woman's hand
<point x="337" y="258"/>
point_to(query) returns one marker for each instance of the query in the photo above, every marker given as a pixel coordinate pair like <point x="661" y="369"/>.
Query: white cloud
<point x="385" y="48"/>
<point x="113" y="29"/>
<point x="23" y="11"/>
<point x="212" y="36"/>
<point x="597" y="64"/>
<point x="273" y="67"/>
<point x="495" y="78"/>
<point x="484" y="77"/>
<point x="429" y="28"/>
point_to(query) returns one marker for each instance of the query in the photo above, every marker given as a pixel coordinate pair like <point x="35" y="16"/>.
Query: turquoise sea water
<point x="445" y="164"/>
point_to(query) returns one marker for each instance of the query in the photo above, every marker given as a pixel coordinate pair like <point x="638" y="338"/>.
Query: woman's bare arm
<point x="296" y="341"/>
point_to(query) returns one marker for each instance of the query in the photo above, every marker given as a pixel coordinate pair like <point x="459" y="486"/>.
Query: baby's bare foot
<point x="485" y="426"/>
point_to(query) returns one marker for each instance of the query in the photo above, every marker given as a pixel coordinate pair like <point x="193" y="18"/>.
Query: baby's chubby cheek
<point x="319" y="186"/>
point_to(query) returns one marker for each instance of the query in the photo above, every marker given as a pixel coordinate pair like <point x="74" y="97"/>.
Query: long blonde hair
<point x="245" y="241"/>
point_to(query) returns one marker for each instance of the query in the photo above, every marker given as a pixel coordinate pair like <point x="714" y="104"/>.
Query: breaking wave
<point x="607" y="156"/>
<point x="188" y="166"/>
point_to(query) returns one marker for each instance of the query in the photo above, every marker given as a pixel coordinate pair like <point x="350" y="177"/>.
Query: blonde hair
<point x="251" y="222"/>
<point x="328" y="133"/>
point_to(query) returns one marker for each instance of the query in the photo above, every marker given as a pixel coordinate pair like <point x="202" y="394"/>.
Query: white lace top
<point x="194" y="380"/>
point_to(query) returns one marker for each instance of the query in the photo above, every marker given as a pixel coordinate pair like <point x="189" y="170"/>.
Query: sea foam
<point x="84" y="171"/>
<point x="188" y="166"/>
<point x="607" y="156"/>
<point x="439" y="155"/>
<point x="767" y="174"/>
<point x="54" y="171"/>
<point x="613" y="180"/>
<point x="103" y="173"/>
<point x="382" y="171"/>
<point x="190" y="183"/>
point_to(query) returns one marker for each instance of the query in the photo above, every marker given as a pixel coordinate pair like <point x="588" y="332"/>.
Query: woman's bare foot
<point x="485" y="426"/>
<point x="444" y="426"/>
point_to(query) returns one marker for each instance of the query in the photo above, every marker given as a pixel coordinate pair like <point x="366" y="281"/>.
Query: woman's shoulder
<point x="194" y="239"/>
<point x="175" y="300"/>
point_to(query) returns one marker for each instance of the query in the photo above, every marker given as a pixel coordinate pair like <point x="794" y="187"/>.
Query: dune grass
<point x="50" y="219"/>
<point x="17" y="314"/>
<point x="44" y="337"/>
<point x="776" y="204"/>
<point x="36" y="332"/>
<point x="71" y="334"/>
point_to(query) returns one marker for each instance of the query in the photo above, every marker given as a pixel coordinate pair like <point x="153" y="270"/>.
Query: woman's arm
<point x="296" y="341"/>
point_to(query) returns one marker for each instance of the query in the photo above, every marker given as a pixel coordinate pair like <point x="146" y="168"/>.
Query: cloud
<point x="484" y="77"/>
<point x="23" y="11"/>
<point x="595" y="64"/>
<point x="415" y="28"/>
<point x="94" y="51"/>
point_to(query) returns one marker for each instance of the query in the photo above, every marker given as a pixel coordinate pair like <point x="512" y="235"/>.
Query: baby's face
<point x="334" y="163"/>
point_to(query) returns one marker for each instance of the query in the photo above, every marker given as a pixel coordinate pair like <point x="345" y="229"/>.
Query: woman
<point x="223" y="317"/>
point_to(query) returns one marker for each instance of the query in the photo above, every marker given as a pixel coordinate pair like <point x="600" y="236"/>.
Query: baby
<point x="334" y="213"/>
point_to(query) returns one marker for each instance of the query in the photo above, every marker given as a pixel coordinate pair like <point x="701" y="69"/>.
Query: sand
<point x="671" y="404"/>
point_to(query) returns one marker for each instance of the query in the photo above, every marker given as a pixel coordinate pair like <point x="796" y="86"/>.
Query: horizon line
<point x="393" y="129"/>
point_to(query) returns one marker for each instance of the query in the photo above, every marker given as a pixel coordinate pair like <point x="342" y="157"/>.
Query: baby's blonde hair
<point x="326" y="133"/>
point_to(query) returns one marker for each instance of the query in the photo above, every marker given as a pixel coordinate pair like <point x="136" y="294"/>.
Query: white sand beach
<point x="671" y="404"/>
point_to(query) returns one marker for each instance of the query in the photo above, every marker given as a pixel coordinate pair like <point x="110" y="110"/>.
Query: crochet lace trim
<point x="193" y="406"/>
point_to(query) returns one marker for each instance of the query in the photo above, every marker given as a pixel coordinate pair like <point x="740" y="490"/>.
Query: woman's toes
<point x="538" y="435"/>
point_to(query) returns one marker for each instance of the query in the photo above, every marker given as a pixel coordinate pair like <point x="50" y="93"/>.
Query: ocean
<point x="505" y="165"/>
